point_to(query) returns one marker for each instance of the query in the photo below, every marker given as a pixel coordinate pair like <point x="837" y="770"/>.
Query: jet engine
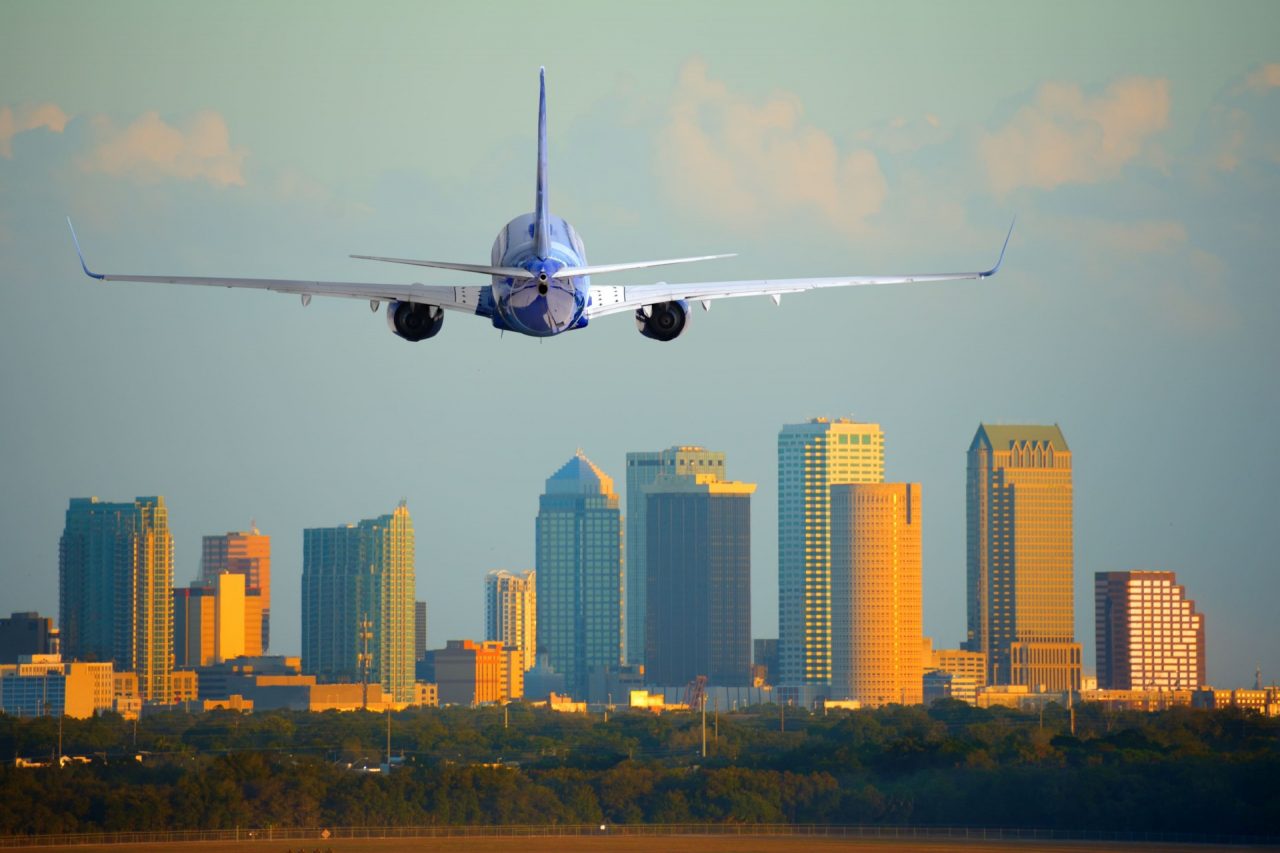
<point x="414" y="321"/>
<point x="663" y="321"/>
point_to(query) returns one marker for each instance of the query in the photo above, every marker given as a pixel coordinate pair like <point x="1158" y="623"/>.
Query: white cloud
<point x="13" y="122"/>
<point x="745" y="163"/>
<point x="1067" y="137"/>
<point x="150" y="149"/>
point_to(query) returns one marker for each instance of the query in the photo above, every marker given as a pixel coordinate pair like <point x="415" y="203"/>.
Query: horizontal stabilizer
<point x="574" y="272"/>
<point x="504" y="272"/>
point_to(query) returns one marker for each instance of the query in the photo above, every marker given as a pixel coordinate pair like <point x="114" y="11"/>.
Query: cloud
<point x="1067" y="137"/>
<point x="13" y="122"/>
<point x="150" y="149"/>
<point x="1264" y="77"/>
<point x="745" y="163"/>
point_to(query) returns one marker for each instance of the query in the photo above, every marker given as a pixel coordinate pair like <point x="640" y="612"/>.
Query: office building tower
<point x="358" y="620"/>
<point x="643" y="468"/>
<point x="579" y="573"/>
<point x="1148" y="633"/>
<point x="511" y="612"/>
<point x="877" y="622"/>
<point x="699" y="580"/>
<point x="27" y="634"/>
<point x="115" y="581"/>
<point x="813" y="457"/>
<point x="245" y="553"/>
<point x="216" y="622"/>
<point x="419" y="630"/>
<point x="1021" y="604"/>
<point x="471" y="673"/>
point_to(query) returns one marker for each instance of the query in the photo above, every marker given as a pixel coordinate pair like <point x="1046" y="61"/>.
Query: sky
<point x="1137" y="307"/>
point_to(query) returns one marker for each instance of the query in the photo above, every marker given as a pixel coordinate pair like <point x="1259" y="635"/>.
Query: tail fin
<point x="541" y="213"/>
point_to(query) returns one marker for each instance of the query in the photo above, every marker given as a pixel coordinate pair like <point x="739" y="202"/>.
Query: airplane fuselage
<point x="544" y="305"/>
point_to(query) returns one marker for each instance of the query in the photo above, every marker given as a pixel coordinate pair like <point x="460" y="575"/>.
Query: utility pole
<point x="716" y="705"/>
<point x="388" y="740"/>
<point x="782" y="717"/>
<point x="365" y="659"/>
<point x="504" y="714"/>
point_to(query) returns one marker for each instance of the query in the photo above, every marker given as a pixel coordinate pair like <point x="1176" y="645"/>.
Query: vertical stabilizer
<point x="541" y="214"/>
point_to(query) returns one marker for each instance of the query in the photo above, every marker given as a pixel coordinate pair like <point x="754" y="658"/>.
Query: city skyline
<point x="1135" y="306"/>
<point x="822" y="425"/>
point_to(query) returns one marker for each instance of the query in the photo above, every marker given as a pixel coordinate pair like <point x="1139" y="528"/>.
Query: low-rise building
<point x="43" y="685"/>
<point x="1265" y="701"/>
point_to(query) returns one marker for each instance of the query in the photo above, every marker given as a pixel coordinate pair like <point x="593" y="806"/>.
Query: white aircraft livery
<point x="540" y="281"/>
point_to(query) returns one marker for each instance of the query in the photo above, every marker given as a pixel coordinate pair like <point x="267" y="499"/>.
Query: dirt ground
<point x="664" y="843"/>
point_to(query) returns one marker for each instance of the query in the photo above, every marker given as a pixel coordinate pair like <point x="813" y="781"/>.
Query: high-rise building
<point x="216" y="621"/>
<point x="813" y="457"/>
<point x="764" y="656"/>
<point x="27" y="634"/>
<point x="471" y="673"/>
<point x="358" y="603"/>
<point x="699" y="580"/>
<point x="419" y="630"/>
<point x="877" y="622"/>
<point x="511" y="612"/>
<point x="115" y="581"/>
<point x="579" y="572"/>
<point x="1021" y="600"/>
<point x="1148" y="633"/>
<point x="245" y="553"/>
<point x="643" y="468"/>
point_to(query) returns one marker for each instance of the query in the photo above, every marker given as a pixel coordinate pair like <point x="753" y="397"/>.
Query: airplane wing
<point x="464" y="299"/>
<point x="613" y="299"/>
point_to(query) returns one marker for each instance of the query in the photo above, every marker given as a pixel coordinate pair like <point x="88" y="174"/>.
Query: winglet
<point x="1000" y="260"/>
<point x="541" y="213"/>
<point x="83" y="265"/>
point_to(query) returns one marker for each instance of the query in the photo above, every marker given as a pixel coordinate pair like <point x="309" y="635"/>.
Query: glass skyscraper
<point x="358" y="580"/>
<point x="813" y="457"/>
<point x="643" y="468"/>
<point x="115" y="582"/>
<point x="579" y="573"/>
<point x="699" y="581"/>
<point x="1021" y="596"/>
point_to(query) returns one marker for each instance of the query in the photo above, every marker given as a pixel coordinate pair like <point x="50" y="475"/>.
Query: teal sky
<point x="1138" y="306"/>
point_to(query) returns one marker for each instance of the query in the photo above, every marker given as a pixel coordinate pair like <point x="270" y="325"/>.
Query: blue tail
<point x="541" y="213"/>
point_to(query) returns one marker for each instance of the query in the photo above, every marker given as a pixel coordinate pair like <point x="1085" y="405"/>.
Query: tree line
<point x="1179" y="770"/>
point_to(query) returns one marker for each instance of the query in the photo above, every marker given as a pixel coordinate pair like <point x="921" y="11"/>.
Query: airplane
<point x="540" y="280"/>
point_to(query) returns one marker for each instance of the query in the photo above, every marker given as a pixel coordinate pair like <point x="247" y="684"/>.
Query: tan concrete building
<point x="471" y="673"/>
<point x="511" y="612"/>
<point x="813" y="457"/>
<point x="877" y="618"/>
<point x="246" y="553"/>
<point x="45" y="686"/>
<point x="1148" y="633"/>
<point x="1021" y="600"/>
<point x="215" y="621"/>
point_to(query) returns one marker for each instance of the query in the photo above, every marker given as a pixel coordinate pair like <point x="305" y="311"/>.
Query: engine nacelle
<point x="663" y="321"/>
<point x="414" y="321"/>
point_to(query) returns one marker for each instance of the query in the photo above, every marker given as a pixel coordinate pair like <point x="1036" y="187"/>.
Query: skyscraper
<point x="1020" y="556"/>
<point x="813" y="457"/>
<point x="579" y="572"/>
<point x="511" y="612"/>
<point x="27" y="634"/>
<point x="419" y="630"/>
<point x="877" y="623"/>
<point x="358" y="580"/>
<point x="1148" y="633"/>
<point x="699" y="580"/>
<point x="643" y="468"/>
<point x="115" y="578"/>
<point x="217" y="621"/>
<point x="245" y="553"/>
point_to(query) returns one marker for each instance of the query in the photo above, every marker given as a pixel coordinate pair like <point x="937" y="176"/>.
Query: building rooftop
<point x="580" y="476"/>
<point x="1004" y="436"/>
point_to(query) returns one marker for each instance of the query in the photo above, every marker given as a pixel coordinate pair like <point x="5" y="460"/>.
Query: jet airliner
<point x="540" y="280"/>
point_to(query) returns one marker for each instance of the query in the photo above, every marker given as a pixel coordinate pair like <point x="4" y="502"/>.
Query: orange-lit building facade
<point x="1021" y="602"/>
<point x="1148" y="633"/>
<point x="877" y="622"/>
<point x="471" y="673"/>
<point x="245" y="553"/>
<point x="511" y="612"/>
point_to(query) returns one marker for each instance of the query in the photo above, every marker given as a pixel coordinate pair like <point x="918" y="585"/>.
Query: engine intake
<point x="414" y="321"/>
<point x="663" y="321"/>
